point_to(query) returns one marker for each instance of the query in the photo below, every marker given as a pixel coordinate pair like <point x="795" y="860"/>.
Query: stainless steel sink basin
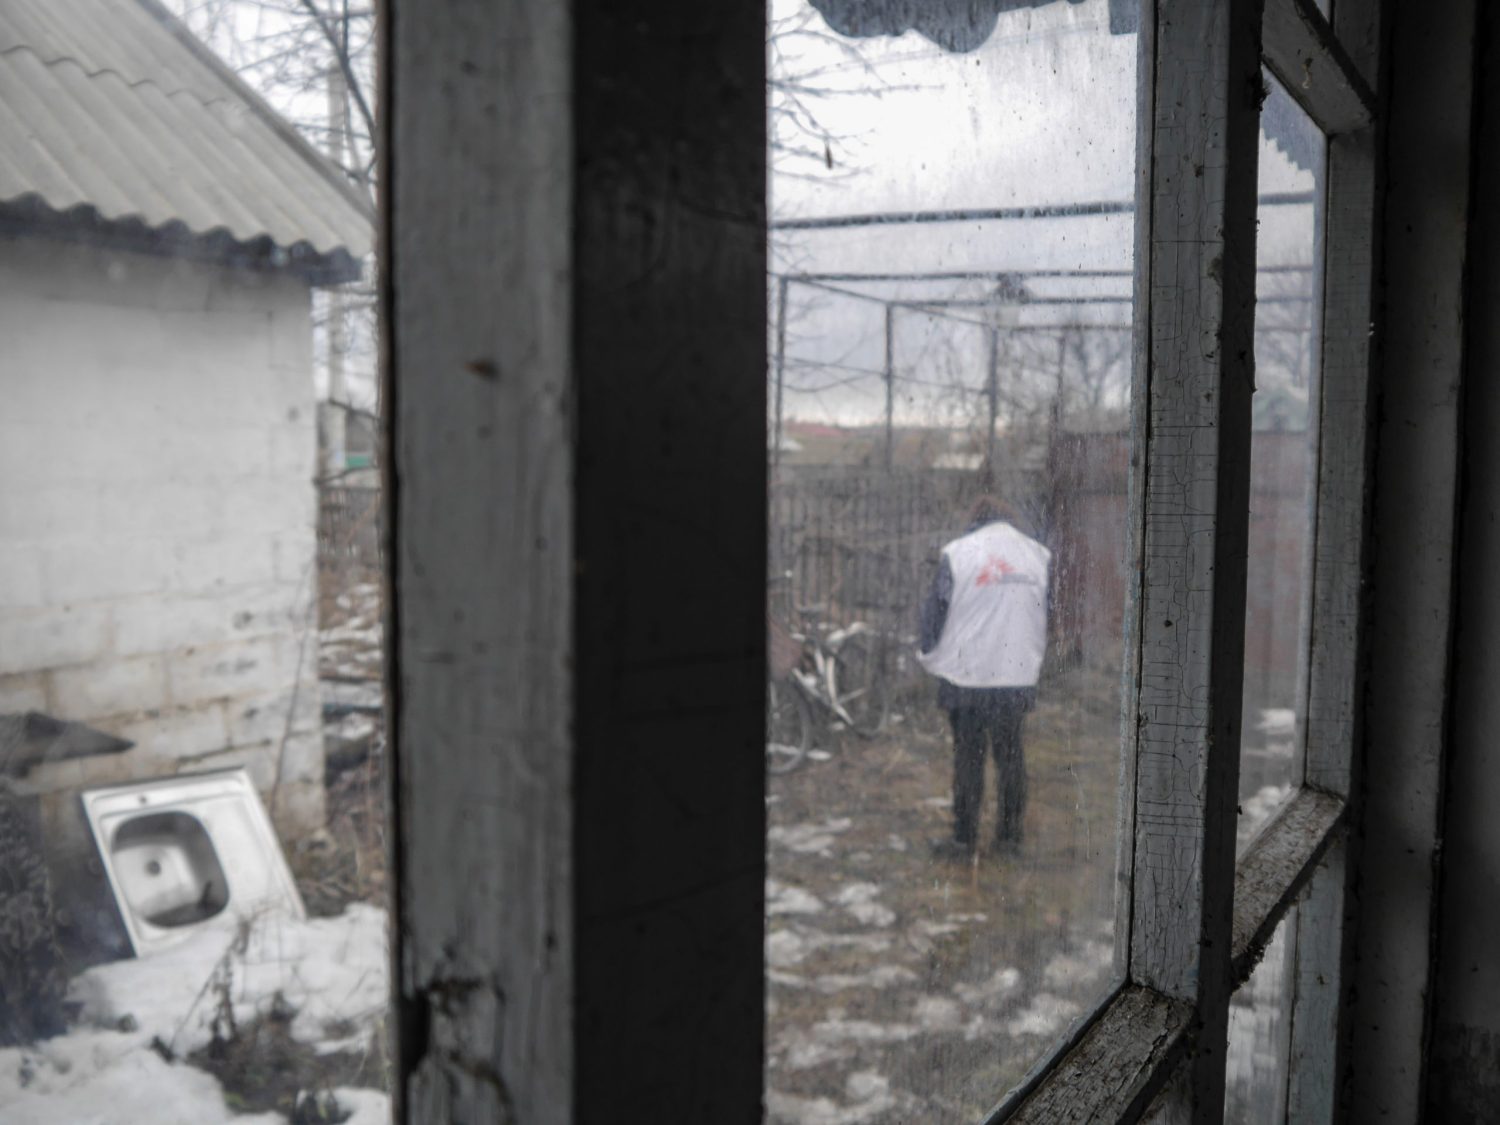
<point x="168" y="871"/>
<point x="182" y="853"/>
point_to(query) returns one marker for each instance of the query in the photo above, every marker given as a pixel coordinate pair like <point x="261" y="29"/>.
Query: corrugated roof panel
<point x="110" y="104"/>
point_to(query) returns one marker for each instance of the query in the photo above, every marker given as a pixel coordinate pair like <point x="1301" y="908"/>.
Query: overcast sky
<point x="1042" y="114"/>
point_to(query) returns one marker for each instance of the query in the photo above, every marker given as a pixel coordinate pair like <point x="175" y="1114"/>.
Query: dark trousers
<point x="988" y="717"/>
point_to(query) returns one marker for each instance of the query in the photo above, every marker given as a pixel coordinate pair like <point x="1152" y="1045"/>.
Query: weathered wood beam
<point x="1420" y="322"/>
<point x="1303" y="52"/>
<point x="1275" y="868"/>
<point x="574" y="287"/>
<point x="476" y="303"/>
<point x="1318" y="1038"/>
<point x="1117" y="1067"/>
<point x="1200" y="258"/>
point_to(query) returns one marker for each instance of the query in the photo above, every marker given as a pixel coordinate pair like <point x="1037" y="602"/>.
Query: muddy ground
<point x="903" y="988"/>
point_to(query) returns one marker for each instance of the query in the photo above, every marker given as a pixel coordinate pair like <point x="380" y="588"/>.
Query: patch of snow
<point x="809" y="839"/>
<point x="367" y="693"/>
<point x="858" y="899"/>
<point x="840" y="1030"/>
<point x="998" y="986"/>
<point x="897" y="843"/>
<point x="1277" y="721"/>
<point x="802" y="1052"/>
<point x="786" y="947"/>
<point x="353" y="727"/>
<point x="881" y="976"/>
<point x="1071" y="970"/>
<point x="923" y="933"/>
<point x="819" y="755"/>
<point x="1045" y="1015"/>
<point x="365" y="1107"/>
<point x="331" y="971"/>
<point x="936" y="802"/>
<point x="109" y="1077"/>
<point x="783" y="898"/>
<point x="938" y="1013"/>
<point x="868" y="1093"/>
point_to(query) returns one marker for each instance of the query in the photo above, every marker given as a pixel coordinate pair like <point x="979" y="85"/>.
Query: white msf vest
<point x="995" y="633"/>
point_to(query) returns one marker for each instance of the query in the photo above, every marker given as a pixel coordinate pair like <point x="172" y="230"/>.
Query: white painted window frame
<point x="1193" y="923"/>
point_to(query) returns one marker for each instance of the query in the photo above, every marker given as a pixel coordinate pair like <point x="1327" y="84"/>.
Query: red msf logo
<point x="994" y="571"/>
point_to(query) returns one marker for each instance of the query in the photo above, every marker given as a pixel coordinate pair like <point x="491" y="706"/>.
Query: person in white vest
<point x="983" y="635"/>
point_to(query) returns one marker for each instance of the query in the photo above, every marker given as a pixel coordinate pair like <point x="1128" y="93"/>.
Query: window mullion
<point x="1333" y="697"/>
<point x="1301" y="50"/>
<point x="1276" y="867"/>
<point x="1201" y="258"/>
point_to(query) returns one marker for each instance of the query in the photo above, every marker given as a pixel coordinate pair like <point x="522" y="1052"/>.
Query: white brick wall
<point x="157" y="512"/>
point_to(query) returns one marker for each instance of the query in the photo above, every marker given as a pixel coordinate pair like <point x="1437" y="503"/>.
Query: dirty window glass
<point x="1260" y="1030"/>
<point x="948" y="451"/>
<point x="1283" y="455"/>
<point x="193" y="911"/>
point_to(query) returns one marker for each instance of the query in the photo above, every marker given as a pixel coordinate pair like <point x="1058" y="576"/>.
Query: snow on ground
<point x="786" y="899"/>
<point x="810" y="839"/>
<point x="1083" y="966"/>
<point x="1046" y="1015"/>
<point x="999" y="986"/>
<point x="858" y="899"/>
<point x="366" y="1107"/>
<point x="109" y="1078"/>
<point x="330" y="971"/>
<point x="868" y="1093"/>
<point x="1277" y="722"/>
<point x="789" y="946"/>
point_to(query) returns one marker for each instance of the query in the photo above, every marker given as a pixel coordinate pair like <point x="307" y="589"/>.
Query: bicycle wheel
<point x="788" y="727"/>
<point x="860" y="683"/>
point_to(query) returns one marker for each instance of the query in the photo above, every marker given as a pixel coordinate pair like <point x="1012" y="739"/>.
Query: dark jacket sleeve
<point x="935" y="607"/>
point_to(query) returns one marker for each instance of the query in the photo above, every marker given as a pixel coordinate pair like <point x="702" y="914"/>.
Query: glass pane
<point x="952" y="252"/>
<point x="1260" y="1027"/>
<point x="193" y="919"/>
<point x="1283" y="455"/>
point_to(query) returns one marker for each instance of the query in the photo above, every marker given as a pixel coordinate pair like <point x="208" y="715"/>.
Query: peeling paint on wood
<point x="1117" y="1067"/>
<point x="1274" y="870"/>
<point x="477" y="259"/>
<point x="1192" y="616"/>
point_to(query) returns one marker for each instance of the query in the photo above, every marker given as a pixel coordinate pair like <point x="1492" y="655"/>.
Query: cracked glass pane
<point x="952" y="250"/>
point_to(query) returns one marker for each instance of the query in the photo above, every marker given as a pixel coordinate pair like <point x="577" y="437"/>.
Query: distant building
<point x="161" y="230"/>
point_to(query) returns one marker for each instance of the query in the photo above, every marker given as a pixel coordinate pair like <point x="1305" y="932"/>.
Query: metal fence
<point x="862" y="543"/>
<point x="349" y="528"/>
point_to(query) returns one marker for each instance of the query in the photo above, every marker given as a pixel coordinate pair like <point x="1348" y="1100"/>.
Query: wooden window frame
<point x="1198" y="921"/>
<point x="573" y="233"/>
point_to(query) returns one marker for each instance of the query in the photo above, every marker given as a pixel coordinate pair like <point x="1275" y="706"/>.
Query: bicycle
<point x="840" y="673"/>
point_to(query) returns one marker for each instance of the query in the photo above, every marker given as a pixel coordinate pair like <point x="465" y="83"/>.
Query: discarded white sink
<point x="183" y="853"/>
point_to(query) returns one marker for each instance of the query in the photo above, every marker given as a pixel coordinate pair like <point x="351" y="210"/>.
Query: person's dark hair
<point x="989" y="508"/>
